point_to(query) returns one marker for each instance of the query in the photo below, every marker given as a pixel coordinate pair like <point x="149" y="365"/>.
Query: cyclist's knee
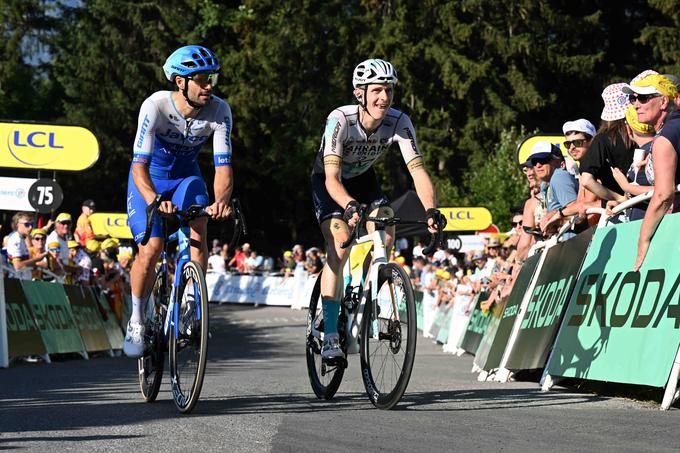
<point x="148" y="255"/>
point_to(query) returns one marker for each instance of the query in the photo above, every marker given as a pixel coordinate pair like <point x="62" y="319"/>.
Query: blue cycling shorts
<point x="183" y="192"/>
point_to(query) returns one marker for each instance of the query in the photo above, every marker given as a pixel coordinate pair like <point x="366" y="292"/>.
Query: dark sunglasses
<point x="53" y="249"/>
<point x="516" y="223"/>
<point x="642" y="98"/>
<point x="577" y="143"/>
<point x="40" y="238"/>
<point x="541" y="160"/>
<point x="204" y="79"/>
<point x="65" y="222"/>
<point x="28" y="224"/>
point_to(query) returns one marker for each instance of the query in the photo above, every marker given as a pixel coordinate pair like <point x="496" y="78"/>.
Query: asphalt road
<point x="256" y="397"/>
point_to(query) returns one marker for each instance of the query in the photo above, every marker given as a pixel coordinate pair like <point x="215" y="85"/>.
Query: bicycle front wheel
<point x="388" y="338"/>
<point x="151" y="363"/>
<point x="189" y="337"/>
<point x="324" y="377"/>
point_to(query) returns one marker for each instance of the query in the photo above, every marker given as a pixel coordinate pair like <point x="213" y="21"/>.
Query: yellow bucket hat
<point x="637" y="126"/>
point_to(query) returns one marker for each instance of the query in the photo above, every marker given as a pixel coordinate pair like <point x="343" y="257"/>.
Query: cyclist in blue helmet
<point x="172" y="128"/>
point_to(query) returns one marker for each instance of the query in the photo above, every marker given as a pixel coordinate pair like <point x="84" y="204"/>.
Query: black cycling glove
<point x="438" y="217"/>
<point x="351" y="209"/>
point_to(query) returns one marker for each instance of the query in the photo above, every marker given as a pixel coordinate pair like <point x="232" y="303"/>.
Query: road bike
<point x="377" y="318"/>
<point x="177" y="313"/>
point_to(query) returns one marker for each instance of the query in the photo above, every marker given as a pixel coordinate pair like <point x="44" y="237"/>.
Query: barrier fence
<point x="577" y="310"/>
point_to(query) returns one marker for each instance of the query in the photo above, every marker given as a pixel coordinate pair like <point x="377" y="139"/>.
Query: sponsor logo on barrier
<point x="87" y="318"/>
<point x="546" y="303"/>
<point x="19" y="318"/>
<point x="52" y="317"/>
<point x="630" y="292"/>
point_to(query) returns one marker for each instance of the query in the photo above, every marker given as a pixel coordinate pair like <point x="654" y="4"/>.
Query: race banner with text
<point x="507" y="319"/>
<point x="88" y="318"/>
<point x="476" y="327"/>
<point x="620" y="325"/>
<point x="23" y="336"/>
<point x="53" y="316"/>
<point x="554" y="284"/>
<point x="47" y="147"/>
<point x="251" y="289"/>
<point x="482" y="356"/>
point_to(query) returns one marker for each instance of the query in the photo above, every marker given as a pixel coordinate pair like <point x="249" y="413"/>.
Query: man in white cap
<point x="578" y="135"/>
<point x="559" y="188"/>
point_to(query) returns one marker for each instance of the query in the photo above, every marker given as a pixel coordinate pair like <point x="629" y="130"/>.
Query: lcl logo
<point x="36" y="139"/>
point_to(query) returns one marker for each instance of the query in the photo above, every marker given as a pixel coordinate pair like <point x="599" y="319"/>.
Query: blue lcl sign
<point x="37" y="139"/>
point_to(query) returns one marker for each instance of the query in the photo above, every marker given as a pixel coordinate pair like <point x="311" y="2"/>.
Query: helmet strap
<point x="185" y="92"/>
<point x="363" y="103"/>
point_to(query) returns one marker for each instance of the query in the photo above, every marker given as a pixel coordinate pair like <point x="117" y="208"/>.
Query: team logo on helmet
<point x="374" y="70"/>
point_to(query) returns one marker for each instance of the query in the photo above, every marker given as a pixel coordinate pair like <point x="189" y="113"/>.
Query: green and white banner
<point x="476" y="327"/>
<point x="23" y="336"/>
<point x="620" y="325"/>
<point x="547" y="303"/>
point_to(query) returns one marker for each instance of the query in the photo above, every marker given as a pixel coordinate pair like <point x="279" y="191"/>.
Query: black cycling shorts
<point x="363" y="188"/>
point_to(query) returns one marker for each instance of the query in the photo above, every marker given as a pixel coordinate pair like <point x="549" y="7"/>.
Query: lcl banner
<point x="47" y="147"/>
<point x="620" y="325"/>
<point x="466" y="219"/>
<point x="111" y="224"/>
<point x="547" y="303"/>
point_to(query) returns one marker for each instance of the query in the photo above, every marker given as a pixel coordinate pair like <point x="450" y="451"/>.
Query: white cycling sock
<point x="138" y="304"/>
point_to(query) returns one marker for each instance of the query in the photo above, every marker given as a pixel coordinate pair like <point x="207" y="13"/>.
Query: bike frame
<point x="379" y="259"/>
<point x="182" y="236"/>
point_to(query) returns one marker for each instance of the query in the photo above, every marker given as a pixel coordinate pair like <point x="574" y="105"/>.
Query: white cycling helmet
<point x="374" y="70"/>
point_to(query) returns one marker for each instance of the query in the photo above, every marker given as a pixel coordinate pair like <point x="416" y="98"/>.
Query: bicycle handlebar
<point x="240" y="226"/>
<point x="363" y="218"/>
<point x="192" y="212"/>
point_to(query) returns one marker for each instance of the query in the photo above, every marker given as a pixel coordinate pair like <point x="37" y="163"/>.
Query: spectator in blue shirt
<point x="558" y="186"/>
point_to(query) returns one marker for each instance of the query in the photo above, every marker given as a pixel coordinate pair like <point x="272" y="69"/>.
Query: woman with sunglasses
<point x="653" y="98"/>
<point x="37" y="248"/>
<point x="172" y="128"/>
<point x="611" y="147"/>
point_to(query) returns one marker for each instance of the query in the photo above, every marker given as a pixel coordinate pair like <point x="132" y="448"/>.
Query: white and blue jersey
<point x="169" y="145"/>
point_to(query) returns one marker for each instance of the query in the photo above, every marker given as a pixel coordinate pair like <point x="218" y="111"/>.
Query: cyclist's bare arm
<point x="223" y="187"/>
<point x="424" y="187"/>
<point x="332" y="166"/>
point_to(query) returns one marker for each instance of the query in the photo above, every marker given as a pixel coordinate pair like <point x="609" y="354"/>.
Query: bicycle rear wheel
<point x="325" y="378"/>
<point x="151" y="363"/>
<point x="388" y="338"/>
<point x="189" y="337"/>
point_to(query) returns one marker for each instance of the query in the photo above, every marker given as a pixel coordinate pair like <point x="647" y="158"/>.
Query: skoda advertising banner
<point x="487" y="340"/>
<point x="620" y="325"/>
<point x="466" y="219"/>
<point x="554" y="285"/>
<point x="507" y="320"/>
<point x="476" y="327"/>
<point x="47" y="147"/>
<point x="111" y="224"/>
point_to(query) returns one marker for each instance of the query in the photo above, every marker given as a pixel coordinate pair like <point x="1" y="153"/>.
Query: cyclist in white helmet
<point x="172" y="128"/>
<point x="343" y="177"/>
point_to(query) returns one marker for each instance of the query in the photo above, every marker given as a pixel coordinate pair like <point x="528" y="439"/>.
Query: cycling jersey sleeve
<point x="405" y="136"/>
<point x="222" y="136"/>
<point x="146" y="124"/>
<point x="334" y="134"/>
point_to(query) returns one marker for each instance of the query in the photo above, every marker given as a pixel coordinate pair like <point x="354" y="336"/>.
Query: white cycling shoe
<point x="331" y="347"/>
<point x="134" y="340"/>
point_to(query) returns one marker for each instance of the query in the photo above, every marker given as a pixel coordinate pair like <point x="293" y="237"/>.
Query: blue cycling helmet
<point x="189" y="60"/>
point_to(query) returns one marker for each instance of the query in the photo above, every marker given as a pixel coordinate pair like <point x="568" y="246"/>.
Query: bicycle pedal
<point x="340" y="362"/>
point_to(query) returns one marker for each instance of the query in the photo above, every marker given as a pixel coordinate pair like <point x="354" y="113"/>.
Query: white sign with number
<point x="14" y="194"/>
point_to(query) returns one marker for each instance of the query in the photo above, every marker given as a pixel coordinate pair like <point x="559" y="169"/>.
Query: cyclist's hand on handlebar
<point x="219" y="210"/>
<point x="351" y="214"/>
<point x="435" y="220"/>
<point x="166" y="207"/>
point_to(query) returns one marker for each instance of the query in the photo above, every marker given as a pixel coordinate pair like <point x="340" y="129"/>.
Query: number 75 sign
<point x="45" y="195"/>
